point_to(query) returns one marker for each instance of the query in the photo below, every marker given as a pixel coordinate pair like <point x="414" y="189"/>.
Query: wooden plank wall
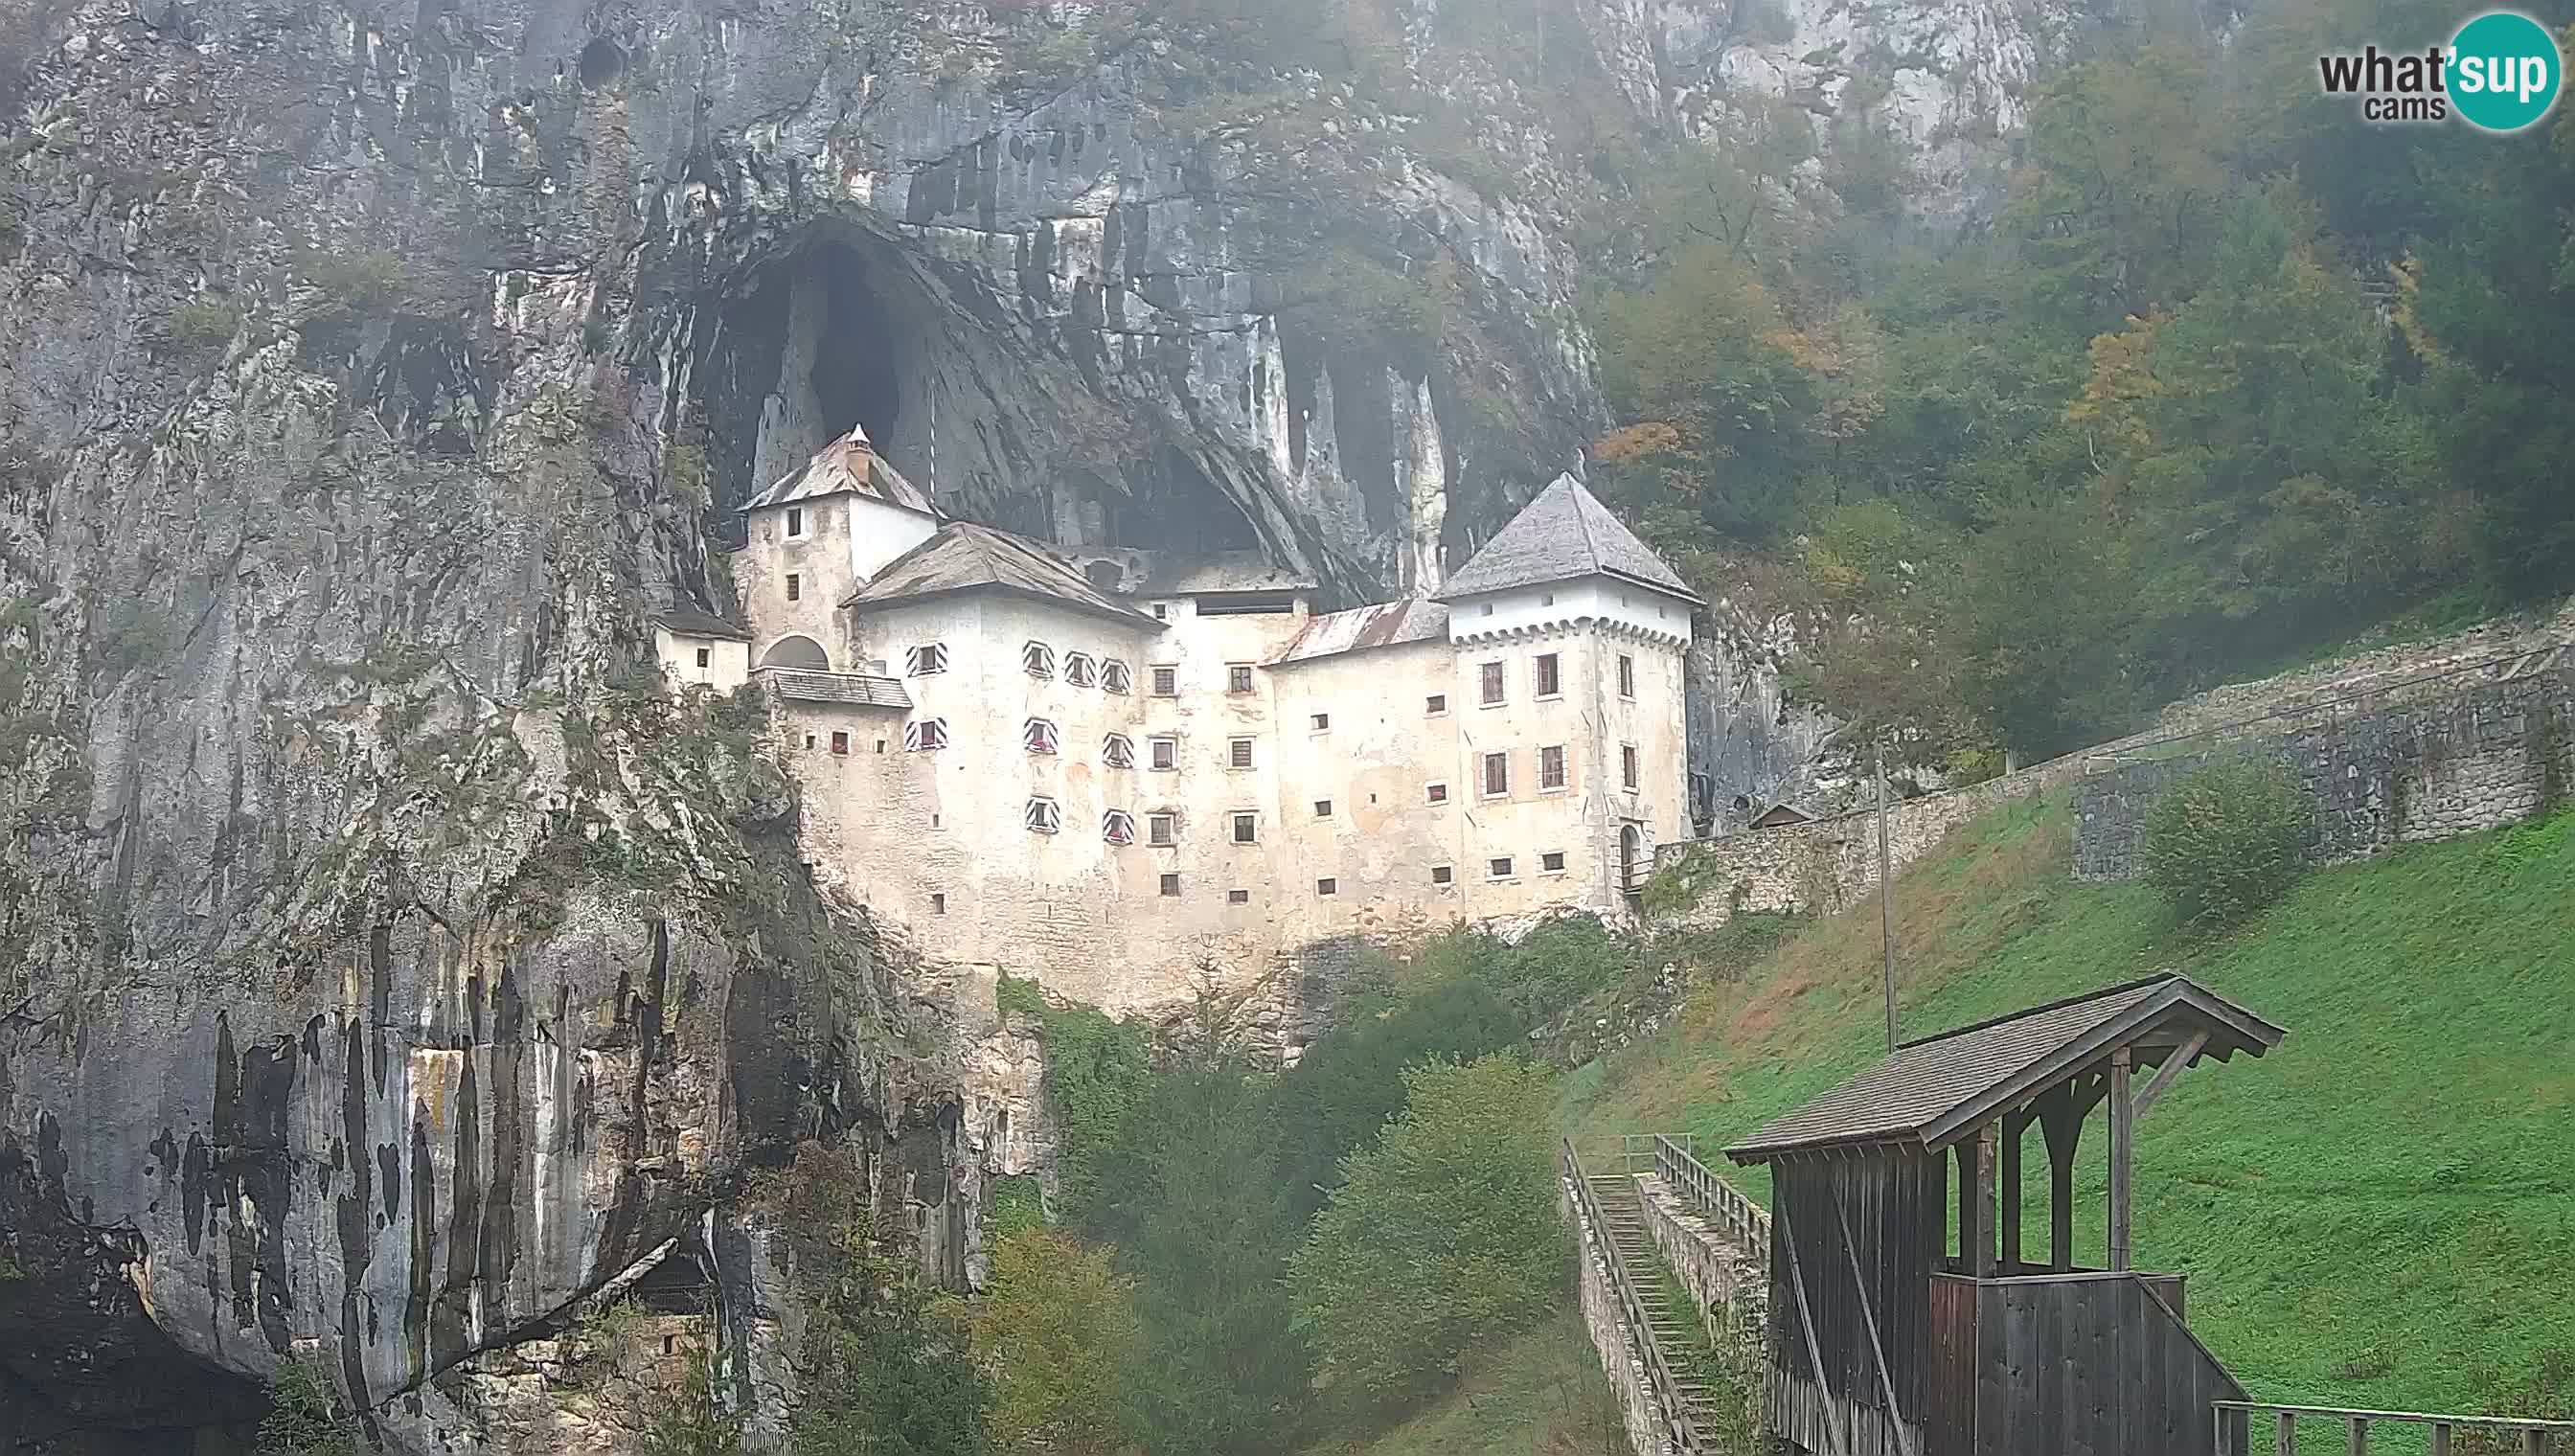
<point x="1949" y="1377"/>
<point x="2089" y="1365"/>
<point x="1896" y="1214"/>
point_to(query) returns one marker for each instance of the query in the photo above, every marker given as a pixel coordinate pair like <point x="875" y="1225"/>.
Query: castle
<point x="1102" y="768"/>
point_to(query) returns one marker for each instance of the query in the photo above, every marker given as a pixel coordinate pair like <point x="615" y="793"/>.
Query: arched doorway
<point x="801" y="653"/>
<point x="1632" y="849"/>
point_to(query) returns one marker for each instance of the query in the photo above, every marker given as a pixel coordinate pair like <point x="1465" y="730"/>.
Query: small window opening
<point x="1327" y="886"/>
<point x="1323" y="721"/>
<point x="1442" y="874"/>
<point x="1166" y="681"/>
<point x="1551" y="676"/>
<point x="796" y="521"/>
<point x="1165" y="753"/>
<point x="794" y="587"/>
<point x="1246" y="829"/>
<point x="1500" y="868"/>
<point x="1237" y="896"/>
<point x="1438" y="793"/>
<point x="1238" y="677"/>
<point x="938" y="905"/>
<point x="840" y="744"/>
<point x="1436" y="704"/>
<point x="1238" y="753"/>
<point x="704" y="656"/>
<point x="1491" y="676"/>
<point x="1171" y="886"/>
<point x="1322" y="808"/>
<point x="1553" y="861"/>
<point x="1162" y="829"/>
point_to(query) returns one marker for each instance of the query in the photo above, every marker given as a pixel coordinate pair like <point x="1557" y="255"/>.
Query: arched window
<point x="1114" y="678"/>
<point x="1118" y="752"/>
<point x="922" y="661"/>
<point x="1077" y="668"/>
<point x="927" y="735"/>
<point x="1118" y="826"/>
<point x="1038" y="659"/>
<point x="1043" y="818"/>
<point x="800" y="652"/>
<point x="1040" y="736"/>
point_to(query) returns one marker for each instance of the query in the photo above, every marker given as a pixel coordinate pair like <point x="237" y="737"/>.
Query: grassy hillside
<point x="2380" y="1213"/>
<point x="1541" y="1394"/>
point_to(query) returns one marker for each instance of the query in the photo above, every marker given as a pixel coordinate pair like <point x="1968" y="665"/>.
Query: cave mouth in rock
<point x="855" y="375"/>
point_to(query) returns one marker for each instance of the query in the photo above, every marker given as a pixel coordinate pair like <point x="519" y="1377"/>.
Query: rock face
<point x="386" y="978"/>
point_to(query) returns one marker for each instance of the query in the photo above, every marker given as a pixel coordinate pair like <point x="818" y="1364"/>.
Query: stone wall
<point x="2419" y="744"/>
<point x="1719" y="1273"/>
<point x="1620" y="1357"/>
<point x="2492" y="751"/>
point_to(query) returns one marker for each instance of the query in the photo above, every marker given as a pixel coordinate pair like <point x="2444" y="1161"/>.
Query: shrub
<point x="306" y="1417"/>
<point x="2228" y="841"/>
<point x="693" y="1419"/>
<point x="1054" y="1335"/>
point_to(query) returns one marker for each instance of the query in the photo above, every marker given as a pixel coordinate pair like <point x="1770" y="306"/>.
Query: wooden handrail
<point x="2234" y="1436"/>
<point x="1632" y="1310"/>
<point x="1747" y="1223"/>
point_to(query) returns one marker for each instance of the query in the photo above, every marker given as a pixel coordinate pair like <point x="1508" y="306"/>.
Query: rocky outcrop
<point x="383" y="976"/>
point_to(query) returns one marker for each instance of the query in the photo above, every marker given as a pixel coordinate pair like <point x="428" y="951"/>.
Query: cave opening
<point x="854" y="375"/>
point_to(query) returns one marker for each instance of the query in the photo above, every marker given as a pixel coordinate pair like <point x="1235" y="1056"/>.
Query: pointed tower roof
<point x="849" y="466"/>
<point x="1564" y="534"/>
<point x="964" y="557"/>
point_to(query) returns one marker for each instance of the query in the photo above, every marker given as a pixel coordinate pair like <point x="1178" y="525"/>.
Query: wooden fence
<point x="1740" y="1220"/>
<point x="2235" y="1425"/>
<point x="1632" y="1311"/>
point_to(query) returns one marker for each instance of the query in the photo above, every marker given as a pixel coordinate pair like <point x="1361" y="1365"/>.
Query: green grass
<point x="2380" y="1213"/>
<point x="1539" y="1394"/>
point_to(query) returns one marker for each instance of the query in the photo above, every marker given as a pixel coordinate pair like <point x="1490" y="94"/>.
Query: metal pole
<point x="1886" y="896"/>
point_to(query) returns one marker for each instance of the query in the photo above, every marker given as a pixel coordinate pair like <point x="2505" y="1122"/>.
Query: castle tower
<point x="817" y="536"/>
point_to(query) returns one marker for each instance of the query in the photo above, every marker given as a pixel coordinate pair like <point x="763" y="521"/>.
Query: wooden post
<point x="2534" y="1443"/>
<point x="2061" y="1117"/>
<point x="2123" y="1122"/>
<point x="2016" y="1128"/>
<point x="1885" y="898"/>
<point x="1966" y="1208"/>
<point x="1985" y="1201"/>
<point x="2285" y="1428"/>
<point x="2440" y="1439"/>
<point x="2359" y="1436"/>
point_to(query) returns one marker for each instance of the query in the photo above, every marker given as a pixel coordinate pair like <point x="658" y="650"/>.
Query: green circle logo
<point x="2503" y="71"/>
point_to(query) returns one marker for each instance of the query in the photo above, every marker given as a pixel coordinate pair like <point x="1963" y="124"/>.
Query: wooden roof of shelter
<point x="1935" y="1092"/>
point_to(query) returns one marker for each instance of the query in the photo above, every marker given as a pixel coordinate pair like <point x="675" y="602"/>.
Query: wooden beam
<point x="1967" y="1209"/>
<point x="2061" y="1117"/>
<point x="2166" y="1076"/>
<point x="2015" y="1129"/>
<point x="2123" y="1113"/>
<point x="1868" y="1319"/>
<point x="1985" y="1201"/>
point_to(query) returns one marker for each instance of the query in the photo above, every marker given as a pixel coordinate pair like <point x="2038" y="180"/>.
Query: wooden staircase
<point x="1677" y="1333"/>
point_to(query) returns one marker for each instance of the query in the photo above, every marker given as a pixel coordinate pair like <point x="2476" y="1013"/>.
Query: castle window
<point x="796" y="521"/>
<point x="1553" y="861"/>
<point x="1238" y="753"/>
<point x="938" y="905"/>
<point x="1436" y="706"/>
<point x="1077" y="669"/>
<point x="1238" y="677"/>
<point x="840" y="744"/>
<point x="1038" y="659"/>
<point x="1118" y="752"/>
<point x="1551" y="676"/>
<point x="1246" y="828"/>
<point x="1627" y="676"/>
<point x="1162" y="610"/>
<point x="926" y="735"/>
<point x="1490" y="675"/>
<point x="1118" y="826"/>
<point x="1170" y="886"/>
<point x="1627" y="766"/>
<point x="1442" y="874"/>
<point x="922" y="661"/>
<point x="1486" y="611"/>
<point x="1162" y="829"/>
<point x="1547" y="601"/>
<point x="704" y="656"/>
<point x="1498" y="868"/>
<point x="794" y="587"/>
<point x="1498" y="774"/>
<point x="1165" y="753"/>
<point x="1114" y="678"/>
<point x="1323" y="721"/>
<point x="1322" y="808"/>
<point x="1039" y="736"/>
<point x="808" y="742"/>
<point x="1550" y="768"/>
<point x="1043" y="818"/>
<point x="1436" y="794"/>
<point x="1166" y="681"/>
<point x="1237" y="896"/>
<point x="1327" y="886"/>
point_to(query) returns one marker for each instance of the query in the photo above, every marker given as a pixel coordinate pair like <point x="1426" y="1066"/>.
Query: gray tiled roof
<point x="1931" y="1091"/>
<point x="1564" y="534"/>
<point x="849" y="466"/>
<point x="690" y="621"/>
<point x="858" y="689"/>
<point x="964" y="557"/>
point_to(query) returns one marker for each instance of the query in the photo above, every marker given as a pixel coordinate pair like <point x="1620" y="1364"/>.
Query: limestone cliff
<point x="386" y="978"/>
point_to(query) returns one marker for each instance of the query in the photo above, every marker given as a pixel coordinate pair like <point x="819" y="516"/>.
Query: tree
<point x="887" y="1365"/>
<point x="2044" y="609"/>
<point x="2228" y="841"/>
<point x="1056" y="1331"/>
<point x="695" y="1422"/>
<point x="1442" y="1236"/>
<point x="1192" y="1198"/>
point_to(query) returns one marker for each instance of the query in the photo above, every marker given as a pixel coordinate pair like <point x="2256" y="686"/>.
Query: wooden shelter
<point x="1888" y="1338"/>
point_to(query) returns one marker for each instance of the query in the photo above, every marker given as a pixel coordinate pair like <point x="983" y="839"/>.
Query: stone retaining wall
<point x="2486" y="755"/>
<point x="1718" y="1273"/>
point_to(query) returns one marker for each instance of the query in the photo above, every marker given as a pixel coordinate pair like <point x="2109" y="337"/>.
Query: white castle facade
<point x="1103" y="769"/>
